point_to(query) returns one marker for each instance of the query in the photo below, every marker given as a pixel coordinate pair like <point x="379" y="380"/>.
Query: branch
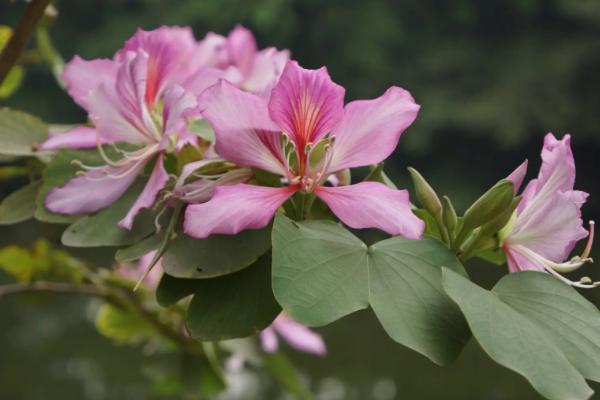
<point x="14" y="48"/>
<point x="53" y="287"/>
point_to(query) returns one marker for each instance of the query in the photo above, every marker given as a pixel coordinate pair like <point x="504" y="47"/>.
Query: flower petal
<point x="170" y="57"/>
<point x="306" y="103"/>
<point x="241" y="47"/>
<point x="233" y="209"/>
<point x="97" y="189"/>
<point x="556" y="174"/>
<point x="244" y="132"/>
<point x="552" y="229"/>
<point x="158" y="180"/>
<point x="370" y="129"/>
<point x="177" y="104"/>
<point x="373" y="205"/>
<point x="79" y="137"/>
<point x="299" y="336"/>
<point x="268" y="340"/>
<point x="82" y="77"/>
<point x="266" y="69"/>
<point x="517" y="176"/>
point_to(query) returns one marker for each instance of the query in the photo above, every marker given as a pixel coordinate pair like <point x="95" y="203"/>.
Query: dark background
<point x="492" y="77"/>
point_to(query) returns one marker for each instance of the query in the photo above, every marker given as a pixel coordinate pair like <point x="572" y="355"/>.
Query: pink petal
<point x="553" y="229"/>
<point x="517" y="176"/>
<point x="79" y="137"/>
<point x="206" y="77"/>
<point x="370" y="129"/>
<point x="266" y="69"/>
<point x="158" y="180"/>
<point x="170" y="52"/>
<point x="241" y="47"/>
<point x="97" y="189"/>
<point x="82" y="77"/>
<point x="556" y="174"/>
<point x="306" y="104"/>
<point x="235" y="208"/>
<point x="212" y="51"/>
<point x="518" y="261"/>
<point x="177" y="104"/>
<point x="268" y="340"/>
<point x="298" y="336"/>
<point x="244" y="132"/>
<point x="373" y="205"/>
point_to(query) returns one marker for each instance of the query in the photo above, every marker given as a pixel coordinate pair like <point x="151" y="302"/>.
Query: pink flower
<point x="135" y="99"/>
<point x="303" y="132"/>
<point x="296" y="335"/>
<point x="547" y="223"/>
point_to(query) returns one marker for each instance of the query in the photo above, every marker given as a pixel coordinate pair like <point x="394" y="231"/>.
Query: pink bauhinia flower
<point x="547" y="223"/>
<point x="303" y="132"/>
<point x="295" y="334"/>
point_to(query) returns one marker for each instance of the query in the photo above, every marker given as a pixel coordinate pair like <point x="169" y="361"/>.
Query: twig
<point x="22" y="32"/>
<point x="52" y="287"/>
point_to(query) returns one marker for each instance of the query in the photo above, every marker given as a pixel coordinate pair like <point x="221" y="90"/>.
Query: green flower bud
<point x="427" y="197"/>
<point x="450" y="218"/>
<point x="490" y="205"/>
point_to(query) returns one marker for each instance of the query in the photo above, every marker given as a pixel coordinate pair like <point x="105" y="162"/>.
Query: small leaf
<point x="234" y="305"/>
<point x="20" y="132"/>
<point x="216" y="255"/>
<point x="322" y="272"/>
<point x="12" y="81"/>
<point x="20" y="205"/>
<point x="139" y="249"/>
<point x="102" y="228"/>
<point x="506" y="323"/>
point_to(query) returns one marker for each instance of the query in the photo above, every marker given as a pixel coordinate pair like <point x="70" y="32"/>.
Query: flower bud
<point x="496" y="224"/>
<point x="427" y="197"/>
<point x="449" y="214"/>
<point x="490" y="205"/>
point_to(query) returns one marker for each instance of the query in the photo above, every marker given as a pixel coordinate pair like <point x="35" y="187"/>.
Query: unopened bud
<point x="490" y="205"/>
<point x="450" y="218"/>
<point x="499" y="222"/>
<point x="427" y="197"/>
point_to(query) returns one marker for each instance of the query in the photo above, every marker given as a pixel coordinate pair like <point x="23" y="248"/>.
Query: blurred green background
<point x="492" y="76"/>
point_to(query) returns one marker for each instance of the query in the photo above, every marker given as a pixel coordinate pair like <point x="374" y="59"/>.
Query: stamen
<point x="590" y="241"/>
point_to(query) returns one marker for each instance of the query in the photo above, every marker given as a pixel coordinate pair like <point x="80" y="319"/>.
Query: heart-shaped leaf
<point x="322" y="272"/>
<point x="536" y="326"/>
<point x="230" y="306"/>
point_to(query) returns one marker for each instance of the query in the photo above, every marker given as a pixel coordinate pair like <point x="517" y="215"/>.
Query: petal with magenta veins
<point x="373" y="205"/>
<point x="370" y="129"/>
<point x="306" y="104"/>
<point x="97" y="188"/>
<point x="233" y="209"/>
<point x="157" y="181"/>
<point x="244" y="133"/>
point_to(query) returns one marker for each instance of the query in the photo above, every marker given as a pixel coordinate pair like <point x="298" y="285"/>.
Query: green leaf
<point x="536" y="326"/>
<point x="102" y="228"/>
<point x="20" y="205"/>
<point x="170" y="289"/>
<point x="122" y="326"/>
<point x="139" y="249"/>
<point x="12" y="81"/>
<point x="20" y="132"/>
<point x="234" y="305"/>
<point x="283" y="370"/>
<point x="322" y="272"/>
<point x="57" y="173"/>
<point x="216" y="255"/>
